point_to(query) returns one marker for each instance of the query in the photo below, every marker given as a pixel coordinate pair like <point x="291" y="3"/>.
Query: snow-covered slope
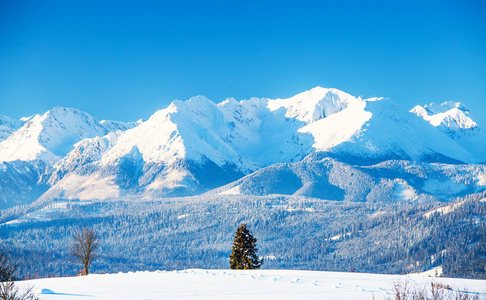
<point x="455" y="120"/>
<point x="240" y="284"/>
<point x="185" y="130"/>
<point x="84" y="153"/>
<point x="19" y="182"/>
<point x="264" y="135"/>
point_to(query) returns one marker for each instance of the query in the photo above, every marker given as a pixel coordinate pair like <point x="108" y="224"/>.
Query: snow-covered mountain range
<point x="321" y="143"/>
<point x="457" y="122"/>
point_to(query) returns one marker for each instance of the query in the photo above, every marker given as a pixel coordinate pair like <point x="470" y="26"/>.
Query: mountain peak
<point x="50" y="136"/>
<point x="455" y="120"/>
<point x="60" y="109"/>
<point x="321" y="92"/>
<point x="198" y="99"/>
<point x="229" y="101"/>
<point x="314" y="104"/>
<point x="434" y="108"/>
<point x="448" y="115"/>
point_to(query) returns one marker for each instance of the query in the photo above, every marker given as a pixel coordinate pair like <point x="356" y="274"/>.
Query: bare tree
<point x="8" y="290"/>
<point x="84" y="246"/>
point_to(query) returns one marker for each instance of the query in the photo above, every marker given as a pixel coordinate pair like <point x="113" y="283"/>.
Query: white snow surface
<point x="79" y="187"/>
<point x="234" y="284"/>
<point x="443" y="210"/>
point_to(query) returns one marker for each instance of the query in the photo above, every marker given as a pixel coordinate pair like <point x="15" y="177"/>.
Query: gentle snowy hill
<point x="327" y="178"/>
<point x="455" y="120"/>
<point x="239" y="284"/>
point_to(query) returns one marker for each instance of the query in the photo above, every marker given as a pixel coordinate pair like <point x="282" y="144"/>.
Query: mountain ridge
<point x="195" y="146"/>
<point x="456" y="121"/>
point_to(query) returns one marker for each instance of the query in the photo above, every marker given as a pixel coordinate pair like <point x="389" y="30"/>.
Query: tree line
<point x="84" y="247"/>
<point x="293" y="234"/>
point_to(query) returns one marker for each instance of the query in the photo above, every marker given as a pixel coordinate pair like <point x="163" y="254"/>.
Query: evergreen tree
<point x="244" y="254"/>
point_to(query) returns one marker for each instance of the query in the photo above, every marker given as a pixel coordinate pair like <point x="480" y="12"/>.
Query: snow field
<point x="235" y="284"/>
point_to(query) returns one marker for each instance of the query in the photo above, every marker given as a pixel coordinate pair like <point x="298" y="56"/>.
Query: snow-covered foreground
<point x="234" y="284"/>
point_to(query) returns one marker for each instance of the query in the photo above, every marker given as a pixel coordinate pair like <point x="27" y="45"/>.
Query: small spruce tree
<point x="244" y="254"/>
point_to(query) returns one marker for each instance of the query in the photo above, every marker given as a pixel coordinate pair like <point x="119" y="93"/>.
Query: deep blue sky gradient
<point x="125" y="59"/>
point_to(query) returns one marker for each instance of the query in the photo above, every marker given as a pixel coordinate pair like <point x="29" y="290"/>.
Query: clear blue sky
<point x="125" y="59"/>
